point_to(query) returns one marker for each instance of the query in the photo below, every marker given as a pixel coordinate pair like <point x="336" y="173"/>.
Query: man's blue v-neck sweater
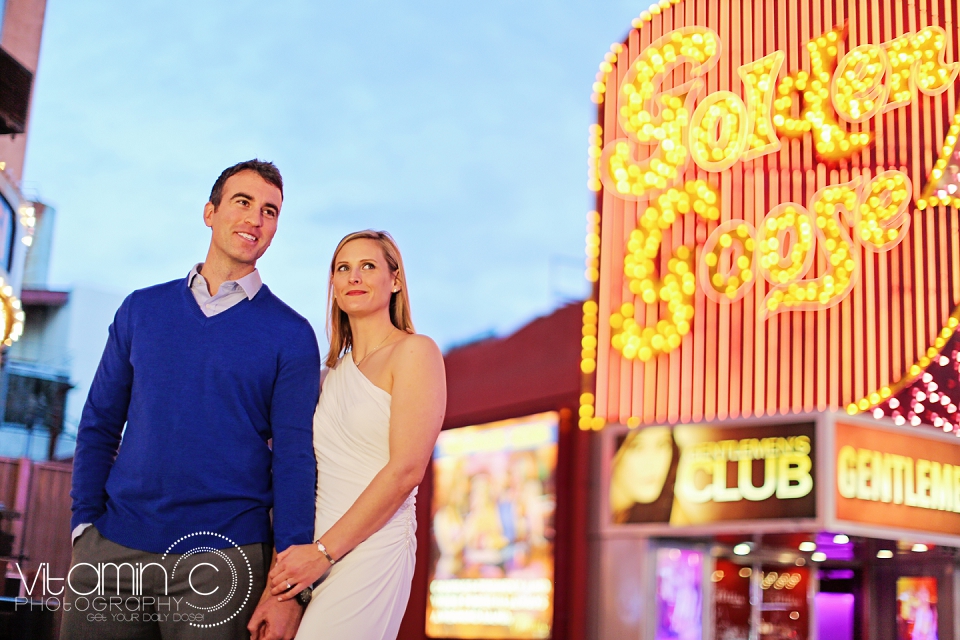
<point x="200" y="398"/>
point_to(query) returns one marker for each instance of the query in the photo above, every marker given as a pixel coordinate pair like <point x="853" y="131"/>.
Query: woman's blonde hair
<point x="338" y="324"/>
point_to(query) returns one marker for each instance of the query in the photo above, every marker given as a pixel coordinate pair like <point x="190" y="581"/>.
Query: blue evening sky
<point x="459" y="127"/>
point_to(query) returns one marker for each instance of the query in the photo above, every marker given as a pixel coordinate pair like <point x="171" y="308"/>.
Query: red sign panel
<point x="892" y="479"/>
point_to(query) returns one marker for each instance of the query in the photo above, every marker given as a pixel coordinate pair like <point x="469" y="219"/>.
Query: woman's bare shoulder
<point x="415" y="349"/>
<point x="418" y="341"/>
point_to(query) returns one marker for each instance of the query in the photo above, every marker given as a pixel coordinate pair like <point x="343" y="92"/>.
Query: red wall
<point x="535" y="369"/>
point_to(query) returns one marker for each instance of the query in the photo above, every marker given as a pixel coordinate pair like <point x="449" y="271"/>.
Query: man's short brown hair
<point x="266" y="170"/>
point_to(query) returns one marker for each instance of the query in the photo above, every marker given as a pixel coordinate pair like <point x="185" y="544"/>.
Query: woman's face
<point x="362" y="279"/>
<point x="644" y="463"/>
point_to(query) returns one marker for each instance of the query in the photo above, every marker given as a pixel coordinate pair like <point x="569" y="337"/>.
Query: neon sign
<point x="702" y="476"/>
<point x="741" y="191"/>
<point x="699" y="474"/>
<point x="892" y="478"/>
<point x="716" y="137"/>
<point x="725" y="128"/>
<point x="866" y="474"/>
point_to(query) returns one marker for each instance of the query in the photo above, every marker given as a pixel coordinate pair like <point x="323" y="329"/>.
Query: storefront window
<point x="731" y="592"/>
<point x="784" y="613"/>
<point x="679" y="594"/>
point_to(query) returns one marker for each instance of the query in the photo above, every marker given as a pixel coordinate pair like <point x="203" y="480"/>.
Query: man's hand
<point x="275" y="620"/>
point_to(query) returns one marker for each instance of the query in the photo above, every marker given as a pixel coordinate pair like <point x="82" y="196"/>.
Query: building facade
<point x="20" y="34"/>
<point x="34" y="500"/>
<point x="769" y="357"/>
<point x="48" y="371"/>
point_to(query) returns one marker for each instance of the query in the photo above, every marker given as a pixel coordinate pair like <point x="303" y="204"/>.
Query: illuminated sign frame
<point x="828" y="516"/>
<point x="732" y="437"/>
<point x="884" y="473"/>
<point x="761" y="211"/>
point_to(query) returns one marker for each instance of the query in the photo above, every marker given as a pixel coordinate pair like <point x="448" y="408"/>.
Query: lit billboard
<point x="701" y="474"/>
<point x="888" y="477"/>
<point x="492" y="530"/>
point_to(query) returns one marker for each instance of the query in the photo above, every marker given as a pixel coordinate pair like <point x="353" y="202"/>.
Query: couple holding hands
<point x="217" y="493"/>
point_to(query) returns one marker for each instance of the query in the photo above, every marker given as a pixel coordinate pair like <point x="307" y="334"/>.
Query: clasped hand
<point x="297" y="568"/>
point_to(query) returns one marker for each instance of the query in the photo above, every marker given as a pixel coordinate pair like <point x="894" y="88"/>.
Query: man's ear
<point x="208" y="211"/>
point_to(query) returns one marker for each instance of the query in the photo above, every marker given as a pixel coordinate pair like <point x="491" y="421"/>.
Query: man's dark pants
<point x="210" y="594"/>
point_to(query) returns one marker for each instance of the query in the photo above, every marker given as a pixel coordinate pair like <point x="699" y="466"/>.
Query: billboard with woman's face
<point x="644" y="474"/>
<point x="697" y="474"/>
<point x="491" y="561"/>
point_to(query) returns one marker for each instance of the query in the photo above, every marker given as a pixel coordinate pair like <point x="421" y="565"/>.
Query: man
<point x="172" y="524"/>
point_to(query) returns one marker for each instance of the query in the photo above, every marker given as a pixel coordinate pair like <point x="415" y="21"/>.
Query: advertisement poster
<point x="691" y="474"/>
<point x="731" y="593"/>
<point x="679" y="594"/>
<point x="917" y="608"/>
<point x="492" y="533"/>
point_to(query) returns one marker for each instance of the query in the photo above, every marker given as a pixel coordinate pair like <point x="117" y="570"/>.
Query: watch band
<point x="304" y="596"/>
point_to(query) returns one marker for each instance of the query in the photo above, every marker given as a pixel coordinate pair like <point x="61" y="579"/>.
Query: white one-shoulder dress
<point x="362" y="597"/>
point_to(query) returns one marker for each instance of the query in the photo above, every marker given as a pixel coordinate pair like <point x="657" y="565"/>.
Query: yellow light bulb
<point x="676" y="287"/>
<point x="620" y="172"/>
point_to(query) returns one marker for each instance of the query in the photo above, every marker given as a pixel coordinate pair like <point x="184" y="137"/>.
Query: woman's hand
<point x="297" y="568"/>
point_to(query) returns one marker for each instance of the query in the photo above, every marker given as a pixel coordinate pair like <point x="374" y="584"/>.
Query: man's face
<point x="246" y="220"/>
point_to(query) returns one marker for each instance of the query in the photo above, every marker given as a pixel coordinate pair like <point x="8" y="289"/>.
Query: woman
<point x="644" y="470"/>
<point x="374" y="431"/>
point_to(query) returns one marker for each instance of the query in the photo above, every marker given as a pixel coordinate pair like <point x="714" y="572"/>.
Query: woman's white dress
<point x="364" y="596"/>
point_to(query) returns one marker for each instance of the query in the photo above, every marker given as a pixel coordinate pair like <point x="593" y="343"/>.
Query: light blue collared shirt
<point x="230" y="292"/>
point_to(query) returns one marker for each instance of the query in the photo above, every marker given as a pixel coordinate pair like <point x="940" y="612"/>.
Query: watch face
<point x="304" y="596"/>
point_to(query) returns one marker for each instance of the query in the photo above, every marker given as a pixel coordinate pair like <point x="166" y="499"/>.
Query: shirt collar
<point x="193" y="274"/>
<point x="250" y="283"/>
